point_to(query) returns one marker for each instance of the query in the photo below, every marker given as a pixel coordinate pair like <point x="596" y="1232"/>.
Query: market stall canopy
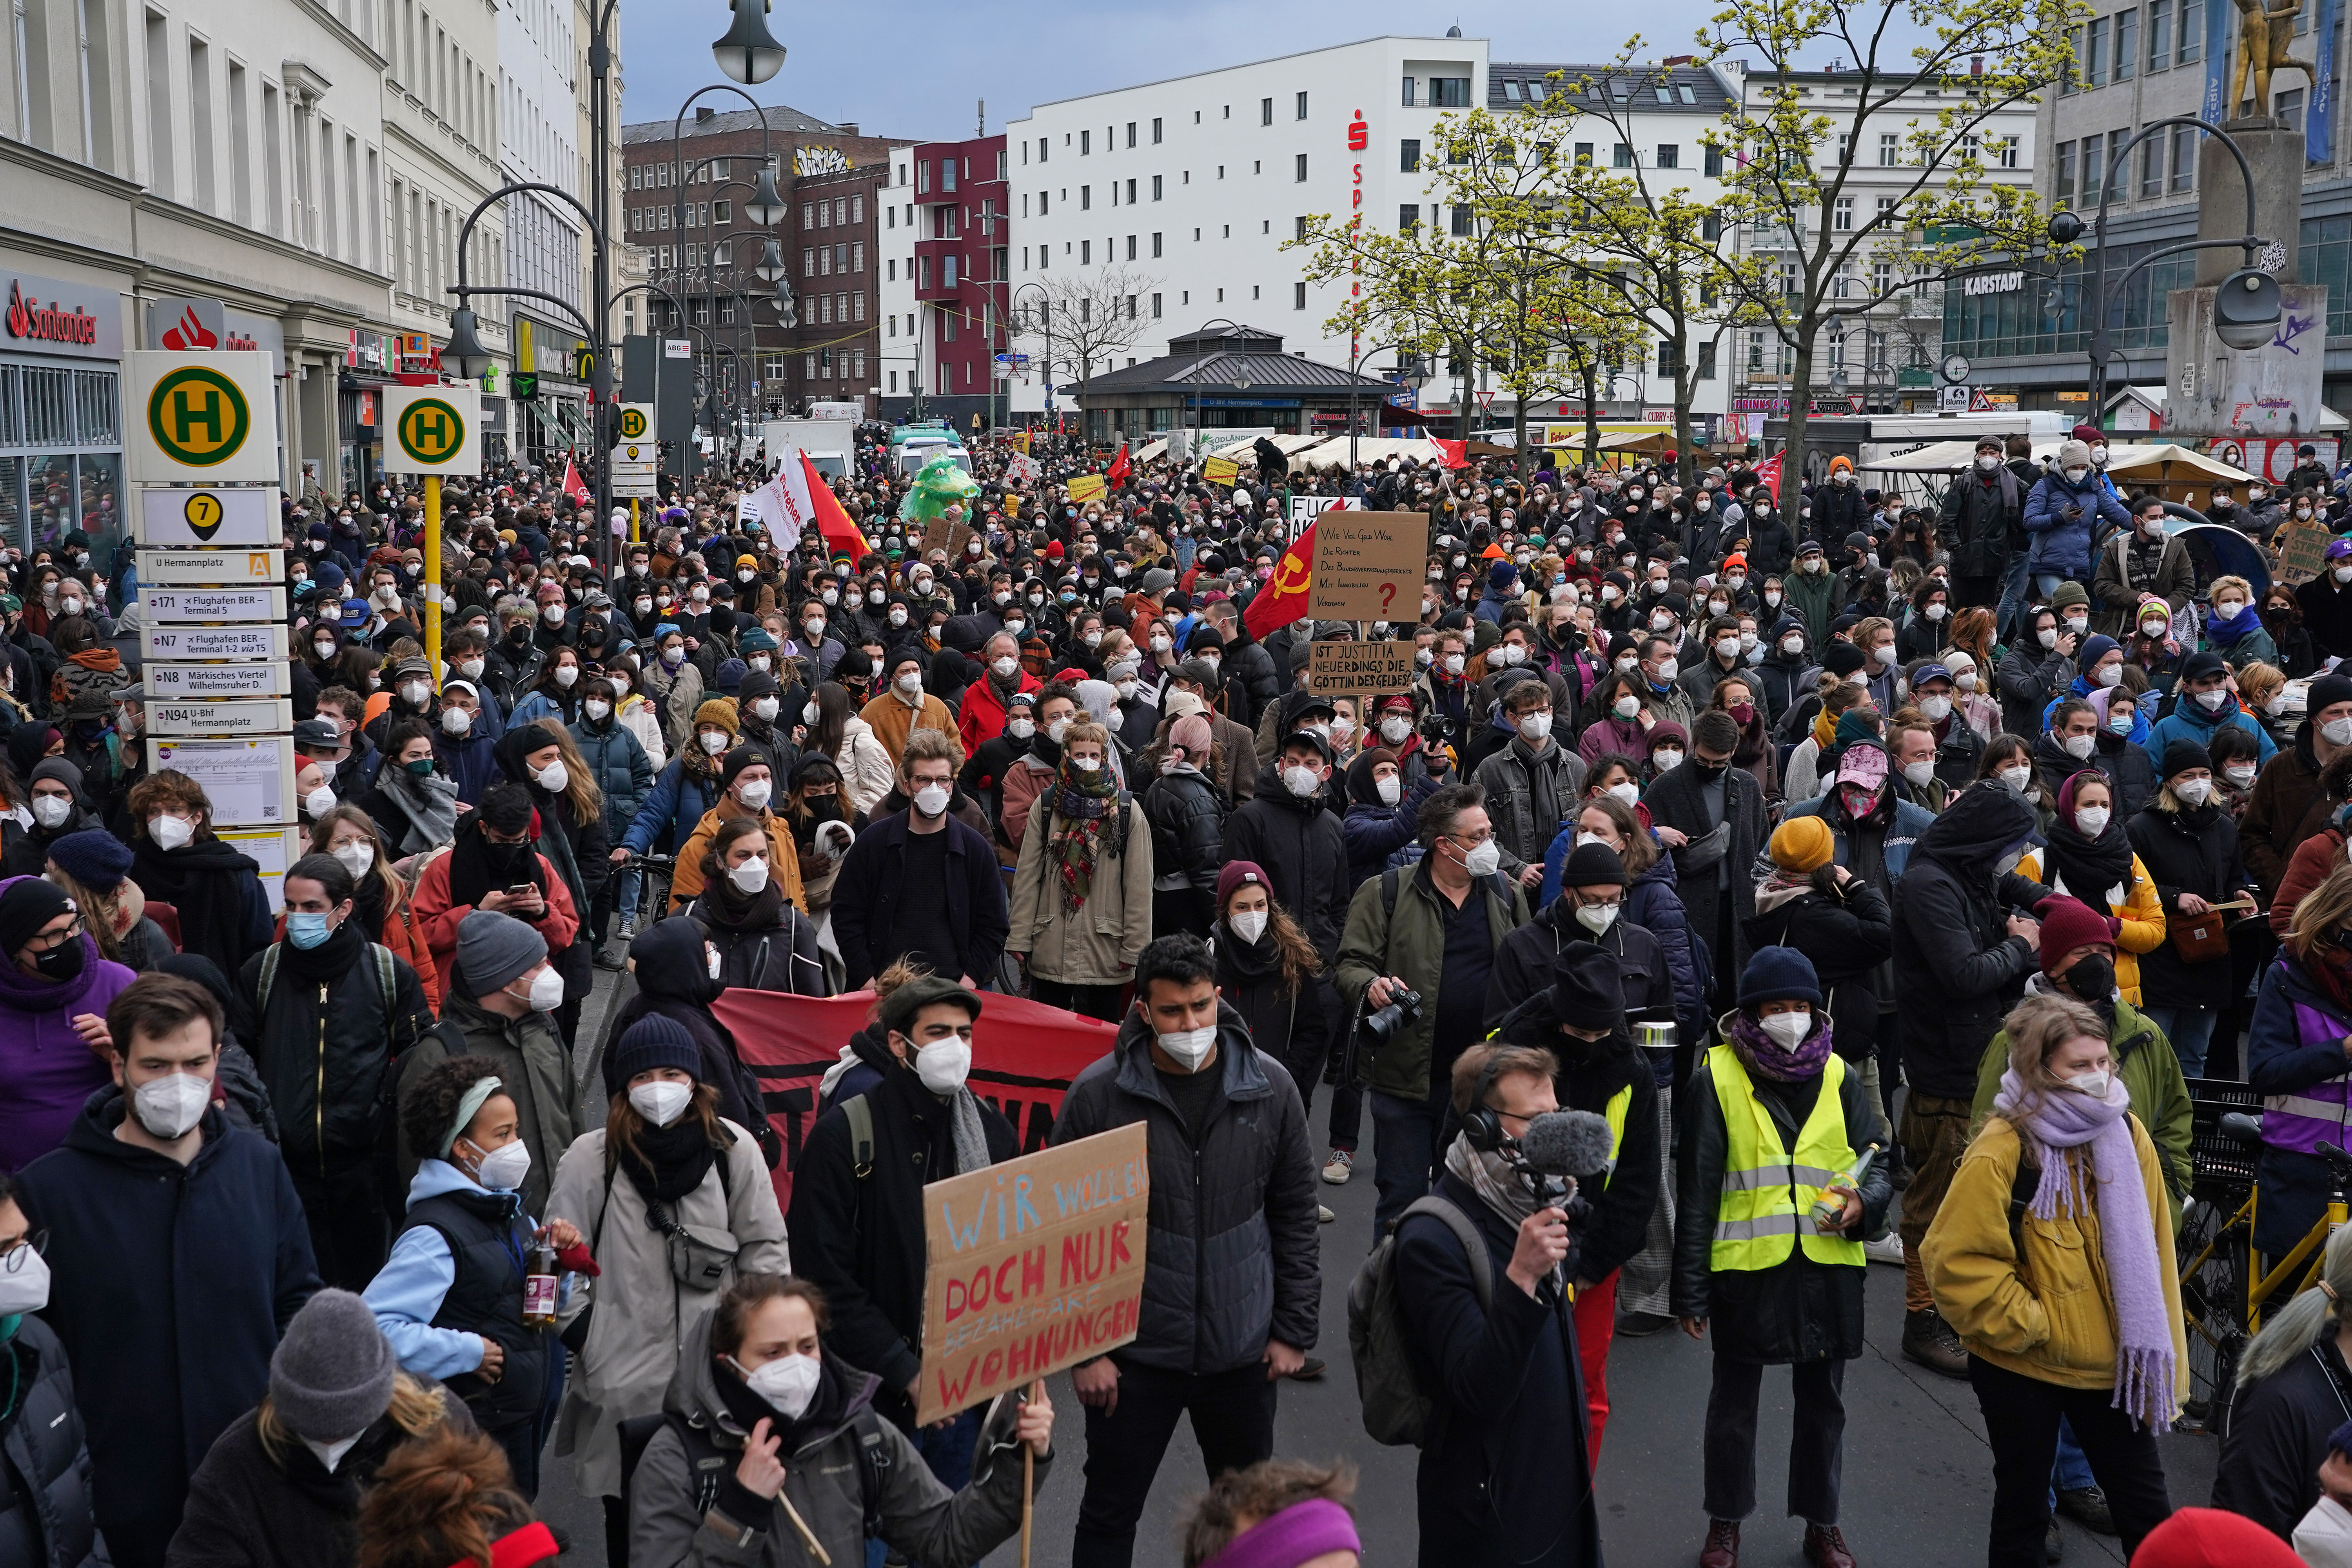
<point x="2159" y="462"/>
<point x="1333" y="452"/>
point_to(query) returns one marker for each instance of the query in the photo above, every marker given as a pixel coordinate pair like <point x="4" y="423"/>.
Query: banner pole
<point x="433" y="576"/>
<point x="1029" y="1483"/>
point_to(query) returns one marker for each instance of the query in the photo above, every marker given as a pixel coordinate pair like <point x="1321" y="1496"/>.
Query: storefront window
<point x="101" y="477"/>
<point x="51" y="490"/>
<point x="67" y="421"/>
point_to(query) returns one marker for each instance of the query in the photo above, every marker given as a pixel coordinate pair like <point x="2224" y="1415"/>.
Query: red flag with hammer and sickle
<point x="1284" y="598"/>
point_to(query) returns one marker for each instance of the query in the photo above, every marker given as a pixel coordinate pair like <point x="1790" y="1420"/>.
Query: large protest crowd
<point x="1887" y="878"/>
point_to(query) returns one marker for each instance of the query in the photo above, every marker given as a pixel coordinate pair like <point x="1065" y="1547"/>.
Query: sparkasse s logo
<point x="26" y="319"/>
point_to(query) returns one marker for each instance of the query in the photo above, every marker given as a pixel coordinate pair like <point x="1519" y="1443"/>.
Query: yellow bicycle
<point x="2225" y="1285"/>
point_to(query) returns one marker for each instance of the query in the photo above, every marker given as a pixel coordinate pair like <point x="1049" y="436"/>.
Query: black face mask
<point x="520" y="637"/>
<point x="62" y="962"/>
<point x="505" y="858"/>
<point x="823" y="808"/>
<point x="1706" y="772"/>
<point x="2091" y="977"/>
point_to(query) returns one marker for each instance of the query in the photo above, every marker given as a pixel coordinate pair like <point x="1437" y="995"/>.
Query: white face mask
<point x="2079" y="746"/>
<point x="1004" y="665"/>
<point x="1935" y="709"/>
<point x="810" y="714"/>
<point x="502" y="1170"/>
<point x="169" y="1106"/>
<point x="944" y="1064"/>
<point x="1966" y="679"/>
<point x="1391" y="789"/>
<point x="1667" y="669"/>
<point x="1664" y="759"/>
<point x="1627" y="706"/>
<point x="1057" y="730"/>
<point x="2240" y="773"/>
<point x="1596" y="918"/>
<point x="714" y="742"/>
<point x="2094" y="1084"/>
<point x="26" y="1287"/>
<point x="1087" y="764"/>
<point x="2108" y="674"/>
<point x="764" y="709"/>
<point x="788" y="1383"/>
<point x="2193" y="792"/>
<point x="2336" y="732"/>
<point x="554" y="777"/>
<point x="1190" y="1047"/>
<point x="1916" y="774"/>
<point x="1300" y="781"/>
<point x="755" y="794"/>
<point x="931" y="799"/>
<point x="1248" y="924"/>
<point x="2078" y="625"/>
<point x="567" y="675"/>
<point x="318" y="803"/>
<point x="750" y="877"/>
<point x="2017" y="778"/>
<point x="2341" y="574"/>
<point x="455" y="720"/>
<point x="1484" y="859"/>
<point x="911" y="683"/>
<point x="357" y="856"/>
<point x="546" y="991"/>
<point x="662" y="1101"/>
<point x="2090" y="821"/>
<point x="597" y="710"/>
<point x="2047" y="636"/>
<point x="1788" y="1030"/>
<point x="1536" y="727"/>
<point x="49" y="810"/>
<point x="174" y="832"/>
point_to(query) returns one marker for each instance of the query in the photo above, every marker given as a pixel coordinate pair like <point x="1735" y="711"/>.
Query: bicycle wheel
<point x="2213" y="1307"/>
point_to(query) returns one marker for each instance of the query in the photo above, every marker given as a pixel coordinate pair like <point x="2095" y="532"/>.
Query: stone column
<point x="2275" y="155"/>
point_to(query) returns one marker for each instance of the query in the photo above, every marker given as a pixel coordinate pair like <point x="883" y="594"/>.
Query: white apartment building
<point x="542" y="90"/>
<point x="1196" y="181"/>
<point x="202" y="151"/>
<point x="442" y="136"/>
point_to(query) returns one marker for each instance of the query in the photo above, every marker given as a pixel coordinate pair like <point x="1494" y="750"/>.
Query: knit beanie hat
<point x="718" y="711"/>
<point x="1802" y="844"/>
<point x="1841" y="658"/>
<point x="1586" y="987"/>
<point x="2068" y="923"/>
<point x="1592" y="866"/>
<point x="57" y="771"/>
<point x="2183" y="755"/>
<point x="1778" y="974"/>
<point x="2070" y="593"/>
<point x="652" y="1041"/>
<point x="2212" y="1538"/>
<point x="493" y="950"/>
<point x="332" y="1375"/>
<point x="94" y="857"/>
<point x="26" y="904"/>
<point x="1237" y="874"/>
<point x="731" y="766"/>
<point x="2326" y="692"/>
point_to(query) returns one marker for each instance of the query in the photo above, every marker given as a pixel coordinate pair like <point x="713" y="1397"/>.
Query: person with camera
<point x="1419" y="950"/>
<point x="1579" y="1019"/>
<point x="1769" y="1224"/>
<point x="1507" y="1477"/>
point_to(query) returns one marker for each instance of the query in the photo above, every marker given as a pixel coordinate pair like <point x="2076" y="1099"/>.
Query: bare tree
<point x="1085" y="319"/>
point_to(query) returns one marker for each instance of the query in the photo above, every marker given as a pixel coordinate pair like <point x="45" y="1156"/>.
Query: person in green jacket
<point x="1433" y="929"/>
<point x="2078" y="960"/>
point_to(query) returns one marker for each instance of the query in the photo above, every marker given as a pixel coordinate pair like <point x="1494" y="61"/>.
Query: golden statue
<point x="2265" y="28"/>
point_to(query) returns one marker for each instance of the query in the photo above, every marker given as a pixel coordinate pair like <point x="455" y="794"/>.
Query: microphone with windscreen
<point x="1574" y="1144"/>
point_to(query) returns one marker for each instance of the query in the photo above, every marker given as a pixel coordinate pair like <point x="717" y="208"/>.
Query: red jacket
<point x="438" y="918"/>
<point x="981" y="714"/>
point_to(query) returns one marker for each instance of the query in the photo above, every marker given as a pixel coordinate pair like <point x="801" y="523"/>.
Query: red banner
<point x="1768" y="474"/>
<point x="1024" y="1056"/>
<point x="1284" y="598"/>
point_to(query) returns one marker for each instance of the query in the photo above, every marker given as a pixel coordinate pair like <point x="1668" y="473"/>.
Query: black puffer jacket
<point x="2278" y="1436"/>
<point x="1188" y="828"/>
<point x="1590" y="1076"/>
<point x="1304" y="851"/>
<point x="1233" y="1256"/>
<point x="45" y="1512"/>
<point x="1797" y="1310"/>
<point x="1956" y="968"/>
<point x="325" y="1050"/>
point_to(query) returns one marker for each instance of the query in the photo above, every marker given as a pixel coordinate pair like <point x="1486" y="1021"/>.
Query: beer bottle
<point x="539" y="1284"/>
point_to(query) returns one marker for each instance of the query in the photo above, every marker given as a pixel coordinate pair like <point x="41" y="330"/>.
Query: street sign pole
<point x="433" y="576"/>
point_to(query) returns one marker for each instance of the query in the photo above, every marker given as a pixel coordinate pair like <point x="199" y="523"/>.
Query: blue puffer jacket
<point x="667" y="818"/>
<point x="2188" y="721"/>
<point x="617" y="761"/>
<point x="2062" y="543"/>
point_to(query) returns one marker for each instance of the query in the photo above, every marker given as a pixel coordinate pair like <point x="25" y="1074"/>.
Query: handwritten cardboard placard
<point x="1034" y="1265"/>
<point x="2303" y="552"/>
<point x="1368" y="565"/>
<point x="941" y="535"/>
<point x="1221" y="471"/>
<point x="1374" y="669"/>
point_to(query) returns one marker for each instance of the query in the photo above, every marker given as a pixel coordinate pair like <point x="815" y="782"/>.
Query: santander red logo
<point x="189" y="333"/>
<point x="28" y="319"/>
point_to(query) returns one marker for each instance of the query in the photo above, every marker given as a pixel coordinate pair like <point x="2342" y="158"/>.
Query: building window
<point x="2288" y="108"/>
<point x="2127" y="44"/>
<point x="1155" y="133"/>
<point x="1130" y="248"/>
<point x="2062" y="192"/>
<point x="2151" y="168"/>
<point x="1130" y="193"/>
<point x="1300" y="175"/>
<point x="2094" y="168"/>
<point x="1409" y="155"/>
<point x="1449" y="92"/>
<point x="2008" y="152"/>
<point x="1408" y="93"/>
<point x="1085" y="142"/>
<point x="1408" y="218"/>
<point x="2094" y="54"/>
<point x="1086" y="198"/>
<point x="2159" y="33"/>
<point x="1156" y="247"/>
<point x="1620" y="157"/>
<point x="1265" y="111"/>
<point x="1302" y="107"/>
<point x="1085" y="252"/>
<point x="1155" y="298"/>
<point x="2192" y="33"/>
<point x="1706" y="362"/>
<point x="1156" y="187"/>
<point x="1298" y="296"/>
<point x="1670" y="156"/>
<point x="1131" y="132"/>
<point x="1842" y="219"/>
<point x="1714" y="169"/>
<point x="1460" y="225"/>
<point x="1890" y="149"/>
<point x="2184" y="159"/>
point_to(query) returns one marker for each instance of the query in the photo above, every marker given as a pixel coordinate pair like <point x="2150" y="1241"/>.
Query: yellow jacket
<point x="2141" y="914"/>
<point x="783" y="856"/>
<point x="2054" y="1319"/>
<point x="892" y="721"/>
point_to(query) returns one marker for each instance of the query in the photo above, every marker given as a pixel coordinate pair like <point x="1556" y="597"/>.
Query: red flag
<point x="572" y="487"/>
<point x="1117" y="472"/>
<point x="1024" y="1054"/>
<point x="840" y="535"/>
<point x="1457" y="453"/>
<point x="1768" y="474"/>
<point x="1284" y="598"/>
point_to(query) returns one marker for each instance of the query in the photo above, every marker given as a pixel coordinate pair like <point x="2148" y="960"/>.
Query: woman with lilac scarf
<point x="2068" y="1308"/>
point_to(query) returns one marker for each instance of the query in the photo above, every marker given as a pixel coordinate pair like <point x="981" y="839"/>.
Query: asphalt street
<point x="1919" y="1474"/>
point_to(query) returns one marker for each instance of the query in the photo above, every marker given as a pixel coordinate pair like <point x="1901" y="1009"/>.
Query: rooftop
<point x="780" y="117"/>
<point x="1682" y="88"/>
<point x="1214" y="360"/>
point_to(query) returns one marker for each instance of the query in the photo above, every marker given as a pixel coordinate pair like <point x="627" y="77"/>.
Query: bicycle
<point x="2224" y="1284"/>
<point x="653" y="870"/>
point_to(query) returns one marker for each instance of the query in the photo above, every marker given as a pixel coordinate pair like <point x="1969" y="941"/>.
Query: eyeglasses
<point x="30" y="1243"/>
<point x="45" y="941"/>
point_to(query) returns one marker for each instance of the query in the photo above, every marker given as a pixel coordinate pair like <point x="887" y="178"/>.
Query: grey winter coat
<point x="1507" y="777"/>
<point x="1232" y="1257"/>
<point x="824" y="1480"/>
<point x="643" y="1316"/>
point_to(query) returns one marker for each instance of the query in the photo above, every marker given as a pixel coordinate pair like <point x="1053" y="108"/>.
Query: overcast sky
<point x="916" y="68"/>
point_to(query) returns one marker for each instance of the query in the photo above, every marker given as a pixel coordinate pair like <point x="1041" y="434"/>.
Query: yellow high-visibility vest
<point x="1614" y="1112"/>
<point x="1768" y="1192"/>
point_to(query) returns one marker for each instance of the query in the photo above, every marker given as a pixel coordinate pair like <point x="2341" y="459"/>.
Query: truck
<point x="829" y="443"/>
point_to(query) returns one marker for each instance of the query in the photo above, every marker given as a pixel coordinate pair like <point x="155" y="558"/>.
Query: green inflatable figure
<point x="938" y="484"/>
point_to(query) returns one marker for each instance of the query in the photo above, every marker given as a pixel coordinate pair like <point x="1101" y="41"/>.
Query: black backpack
<point x="1396" y="1409"/>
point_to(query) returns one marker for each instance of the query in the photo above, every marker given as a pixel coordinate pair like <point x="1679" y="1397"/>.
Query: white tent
<point x="1368" y="449"/>
<point x="2159" y="460"/>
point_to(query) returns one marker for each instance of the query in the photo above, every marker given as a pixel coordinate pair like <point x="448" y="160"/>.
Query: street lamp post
<point x="2248" y="308"/>
<point x="1356" y="369"/>
<point x="1045" y="312"/>
<point x="1199" y="358"/>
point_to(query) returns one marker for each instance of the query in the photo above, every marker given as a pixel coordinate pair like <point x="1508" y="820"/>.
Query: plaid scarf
<point x="1083" y="805"/>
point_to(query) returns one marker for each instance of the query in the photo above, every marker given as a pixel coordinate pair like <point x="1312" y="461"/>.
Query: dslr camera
<point x="1403" y="1007"/>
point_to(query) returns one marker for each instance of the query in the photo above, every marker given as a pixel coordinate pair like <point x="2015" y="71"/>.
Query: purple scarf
<point x="2054" y="1123"/>
<point x="1761" y="1054"/>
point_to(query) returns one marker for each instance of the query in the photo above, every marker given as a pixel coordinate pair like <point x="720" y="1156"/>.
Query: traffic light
<point x="523" y="384"/>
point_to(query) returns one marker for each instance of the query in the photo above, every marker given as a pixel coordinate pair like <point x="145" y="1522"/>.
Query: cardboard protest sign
<point x="1034" y="1265"/>
<point x="1373" y="668"/>
<point x="1085" y="488"/>
<point x="1024" y="1054"/>
<point x="1221" y="471"/>
<point x="2303" y="552"/>
<point x="1367" y="565"/>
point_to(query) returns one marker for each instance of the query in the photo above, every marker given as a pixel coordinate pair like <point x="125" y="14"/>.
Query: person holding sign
<point x="1231" y="1307"/>
<point x="787" y="1432"/>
